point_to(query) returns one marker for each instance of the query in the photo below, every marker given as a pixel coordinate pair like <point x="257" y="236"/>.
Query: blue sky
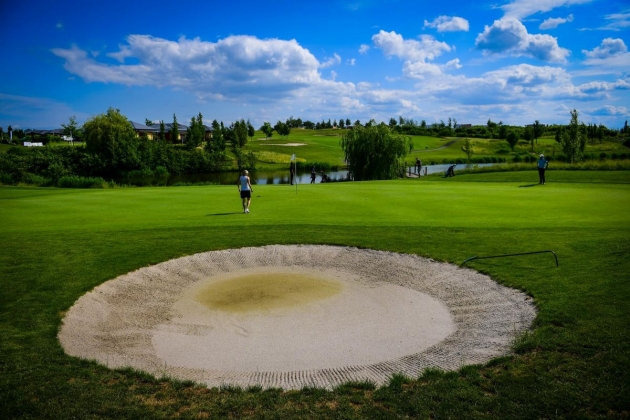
<point x="513" y="61"/>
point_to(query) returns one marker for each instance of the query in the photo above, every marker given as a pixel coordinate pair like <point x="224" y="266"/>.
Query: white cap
<point x="541" y="155"/>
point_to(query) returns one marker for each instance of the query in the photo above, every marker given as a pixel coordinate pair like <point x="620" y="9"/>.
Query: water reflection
<point x="266" y="177"/>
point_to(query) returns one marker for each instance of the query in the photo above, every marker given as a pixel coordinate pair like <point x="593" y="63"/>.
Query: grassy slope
<point x="58" y="244"/>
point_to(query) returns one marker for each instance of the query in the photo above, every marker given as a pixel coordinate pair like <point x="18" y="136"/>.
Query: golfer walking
<point x="542" y="165"/>
<point x="245" y="188"/>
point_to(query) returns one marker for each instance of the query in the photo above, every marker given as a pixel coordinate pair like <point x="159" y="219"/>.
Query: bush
<point x="32" y="179"/>
<point x="74" y="181"/>
<point x="517" y="159"/>
<point x="161" y="171"/>
<point x="603" y="156"/>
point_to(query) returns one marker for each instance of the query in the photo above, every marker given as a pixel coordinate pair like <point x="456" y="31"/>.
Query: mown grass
<point x="58" y="244"/>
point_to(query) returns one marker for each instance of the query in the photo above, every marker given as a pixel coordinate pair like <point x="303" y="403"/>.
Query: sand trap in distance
<point x="295" y="316"/>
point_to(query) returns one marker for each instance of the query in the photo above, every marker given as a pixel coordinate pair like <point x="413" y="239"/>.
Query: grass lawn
<point x="57" y="244"/>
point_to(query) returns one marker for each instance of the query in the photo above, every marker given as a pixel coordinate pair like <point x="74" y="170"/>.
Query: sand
<point x="295" y="316"/>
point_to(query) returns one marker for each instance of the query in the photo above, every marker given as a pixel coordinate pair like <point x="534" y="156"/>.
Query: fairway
<point x="58" y="244"/>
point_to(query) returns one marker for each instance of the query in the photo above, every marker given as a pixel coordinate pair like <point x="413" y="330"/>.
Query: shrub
<point x="32" y="179"/>
<point x="74" y="181"/>
<point x="603" y="156"/>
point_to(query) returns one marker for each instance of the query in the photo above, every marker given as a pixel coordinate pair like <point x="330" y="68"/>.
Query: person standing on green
<point x="246" y="190"/>
<point x="542" y="165"/>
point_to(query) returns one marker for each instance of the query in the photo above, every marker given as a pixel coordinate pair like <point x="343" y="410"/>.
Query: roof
<point x="141" y="127"/>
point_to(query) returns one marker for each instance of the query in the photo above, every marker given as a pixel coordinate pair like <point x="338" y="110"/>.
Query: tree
<point x="573" y="139"/>
<point x="71" y="128"/>
<point x="162" y="134"/>
<point x="196" y="133"/>
<point x="341" y="123"/>
<point x="282" y="128"/>
<point x="240" y="133"/>
<point x="503" y="132"/>
<point x="468" y="148"/>
<point x="348" y="122"/>
<point x="174" y="130"/>
<point x="267" y="129"/>
<point x="112" y="138"/>
<point x="392" y="123"/>
<point x="218" y="142"/>
<point x="148" y="122"/>
<point x="251" y="131"/>
<point x="538" y="130"/>
<point x="511" y="138"/>
<point x="528" y="135"/>
<point x="374" y="152"/>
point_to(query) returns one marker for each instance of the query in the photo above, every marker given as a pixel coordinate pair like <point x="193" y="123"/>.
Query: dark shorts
<point x="246" y="194"/>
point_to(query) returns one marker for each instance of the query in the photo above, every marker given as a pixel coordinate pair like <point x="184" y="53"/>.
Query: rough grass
<point x="57" y="244"/>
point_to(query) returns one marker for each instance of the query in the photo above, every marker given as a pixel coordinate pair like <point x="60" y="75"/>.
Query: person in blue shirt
<point x="542" y="165"/>
<point x="246" y="190"/>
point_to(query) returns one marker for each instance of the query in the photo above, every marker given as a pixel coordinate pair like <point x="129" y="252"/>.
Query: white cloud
<point x="393" y="44"/>
<point x="552" y="23"/>
<point x="335" y="59"/>
<point x="416" y="53"/>
<point x="519" y="9"/>
<point x="448" y="24"/>
<point x="351" y="61"/>
<point x="509" y="36"/>
<point x="609" y="47"/>
<point x="609" y="110"/>
<point x="617" y="21"/>
<point x="234" y="66"/>
<point x="364" y="48"/>
<point x="59" y="25"/>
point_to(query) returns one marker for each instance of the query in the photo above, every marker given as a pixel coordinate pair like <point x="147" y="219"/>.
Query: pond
<point x="262" y="177"/>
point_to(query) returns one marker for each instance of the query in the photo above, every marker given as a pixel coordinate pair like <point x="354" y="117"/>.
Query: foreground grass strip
<point x="58" y="244"/>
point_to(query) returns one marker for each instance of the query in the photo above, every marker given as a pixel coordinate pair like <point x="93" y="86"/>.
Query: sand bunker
<point x="295" y="316"/>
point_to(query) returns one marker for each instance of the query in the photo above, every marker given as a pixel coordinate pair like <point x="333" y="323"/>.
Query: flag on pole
<point x="293" y="159"/>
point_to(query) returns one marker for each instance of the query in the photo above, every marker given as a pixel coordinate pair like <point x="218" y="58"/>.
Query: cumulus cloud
<point x="448" y="24"/>
<point x="519" y="9"/>
<point x="552" y="23"/>
<point x="232" y="66"/>
<point x="364" y="48"/>
<point x="608" y="48"/>
<point x="335" y="59"/>
<point x="415" y="53"/>
<point x="393" y="44"/>
<point x="509" y="36"/>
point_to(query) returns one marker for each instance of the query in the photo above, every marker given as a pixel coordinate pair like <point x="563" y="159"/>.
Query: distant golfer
<point x="542" y="165"/>
<point x="313" y="174"/>
<point x="246" y="190"/>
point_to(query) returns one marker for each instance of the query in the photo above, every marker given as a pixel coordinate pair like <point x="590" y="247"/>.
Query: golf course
<point x="574" y="362"/>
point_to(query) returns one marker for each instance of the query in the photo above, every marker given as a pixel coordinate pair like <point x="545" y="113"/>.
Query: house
<point x="151" y="132"/>
<point x="144" y="130"/>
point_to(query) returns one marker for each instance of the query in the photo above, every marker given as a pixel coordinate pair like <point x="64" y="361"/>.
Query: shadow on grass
<point x="224" y="214"/>
<point x="527" y="186"/>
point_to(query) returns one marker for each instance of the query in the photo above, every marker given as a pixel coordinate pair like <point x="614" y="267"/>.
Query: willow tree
<point x="112" y="138"/>
<point x="374" y="152"/>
